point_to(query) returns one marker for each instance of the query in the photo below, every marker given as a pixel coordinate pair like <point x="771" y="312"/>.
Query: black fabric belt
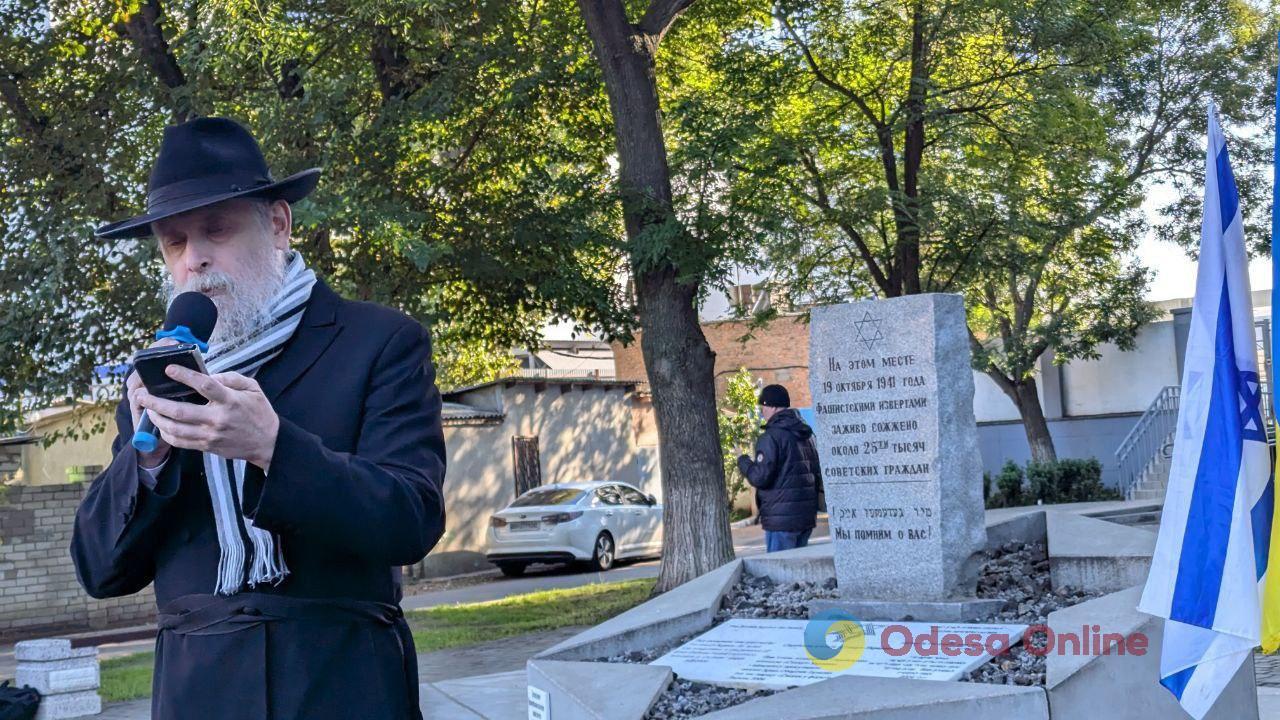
<point x="209" y="614"/>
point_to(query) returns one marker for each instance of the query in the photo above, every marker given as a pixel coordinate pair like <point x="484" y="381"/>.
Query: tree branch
<point x="825" y="79"/>
<point x="824" y="204"/>
<point x="143" y="28"/>
<point x="659" y="17"/>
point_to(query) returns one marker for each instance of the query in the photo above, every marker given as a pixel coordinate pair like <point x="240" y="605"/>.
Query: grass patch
<point x="129" y="677"/>
<point x="443" y="627"/>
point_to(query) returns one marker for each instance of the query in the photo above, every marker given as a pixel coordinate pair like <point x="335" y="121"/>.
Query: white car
<point x="591" y="522"/>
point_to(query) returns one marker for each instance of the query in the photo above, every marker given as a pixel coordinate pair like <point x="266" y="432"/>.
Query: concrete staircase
<point x="1153" y="481"/>
<point x="1144" y="456"/>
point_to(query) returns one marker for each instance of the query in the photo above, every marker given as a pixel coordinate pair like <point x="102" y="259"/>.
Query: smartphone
<point x="151" y="364"/>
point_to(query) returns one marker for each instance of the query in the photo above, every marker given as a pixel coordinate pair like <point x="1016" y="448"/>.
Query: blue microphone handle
<point x="146" y="438"/>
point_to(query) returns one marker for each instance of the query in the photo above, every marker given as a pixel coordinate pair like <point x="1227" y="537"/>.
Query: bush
<point x="1063" y="481"/>
<point x="1008" y="487"/>
<point x="1072" y="480"/>
<point x="740" y="426"/>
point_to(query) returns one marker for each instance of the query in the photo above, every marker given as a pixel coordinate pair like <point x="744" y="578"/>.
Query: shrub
<point x="739" y="421"/>
<point x="1008" y="490"/>
<point x="1063" y="481"/>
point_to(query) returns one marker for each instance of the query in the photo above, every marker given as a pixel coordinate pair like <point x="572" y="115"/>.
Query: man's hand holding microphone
<point x="135" y="389"/>
<point x="231" y="417"/>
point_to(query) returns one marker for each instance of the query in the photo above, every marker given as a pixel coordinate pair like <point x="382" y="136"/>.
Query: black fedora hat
<point x="202" y="162"/>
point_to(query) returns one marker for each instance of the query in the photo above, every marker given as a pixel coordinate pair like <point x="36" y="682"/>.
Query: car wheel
<point x="512" y="569"/>
<point x="602" y="556"/>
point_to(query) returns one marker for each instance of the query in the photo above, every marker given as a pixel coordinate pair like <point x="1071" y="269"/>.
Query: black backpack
<point x="18" y="703"/>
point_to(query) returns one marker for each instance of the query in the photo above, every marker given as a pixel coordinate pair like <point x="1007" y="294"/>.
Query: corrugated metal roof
<point x="518" y="380"/>
<point x="457" y="412"/>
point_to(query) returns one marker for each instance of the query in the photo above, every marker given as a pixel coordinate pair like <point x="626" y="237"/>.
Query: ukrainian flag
<point x="1271" y="581"/>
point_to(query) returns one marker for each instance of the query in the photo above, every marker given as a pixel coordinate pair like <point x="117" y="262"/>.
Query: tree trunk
<point x="908" y="250"/>
<point x="1033" y="422"/>
<point x="696" y="537"/>
<point x="1027" y="400"/>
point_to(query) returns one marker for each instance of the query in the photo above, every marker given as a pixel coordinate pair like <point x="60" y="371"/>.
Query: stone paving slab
<point x="582" y="691"/>
<point x="500" y="696"/>
<point x="132" y="710"/>
<point x="1268" y="703"/>
<point x="435" y="705"/>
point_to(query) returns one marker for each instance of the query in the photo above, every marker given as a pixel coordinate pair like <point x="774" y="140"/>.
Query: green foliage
<point x="448" y="626"/>
<point x="999" y="148"/>
<point x="461" y="362"/>
<point x="1061" y="481"/>
<point x="1071" y="480"/>
<point x="466" y="154"/>
<point x="1009" y="487"/>
<point x="740" y="427"/>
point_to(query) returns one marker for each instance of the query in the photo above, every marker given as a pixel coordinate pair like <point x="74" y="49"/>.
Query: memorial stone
<point x="892" y="394"/>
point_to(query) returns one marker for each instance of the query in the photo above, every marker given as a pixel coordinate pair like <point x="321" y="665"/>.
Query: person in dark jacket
<point x="272" y="520"/>
<point x="785" y="473"/>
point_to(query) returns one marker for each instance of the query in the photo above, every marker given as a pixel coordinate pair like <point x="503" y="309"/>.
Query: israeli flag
<point x="1211" y="556"/>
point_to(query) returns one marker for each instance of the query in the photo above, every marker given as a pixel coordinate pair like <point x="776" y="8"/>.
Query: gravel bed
<point x="1019" y="573"/>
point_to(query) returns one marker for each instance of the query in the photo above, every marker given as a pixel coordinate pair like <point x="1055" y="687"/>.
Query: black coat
<point x="785" y="473"/>
<point x="355" y="490"/>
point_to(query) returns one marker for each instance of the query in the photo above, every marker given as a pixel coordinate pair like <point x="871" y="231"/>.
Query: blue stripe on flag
<point x="1228" y="197"/>
<point x="1177" y="682"/>
<point x="1260" y="517"/>
<point x="1204" y="546"/>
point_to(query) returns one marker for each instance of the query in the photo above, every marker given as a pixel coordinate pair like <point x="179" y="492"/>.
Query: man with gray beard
<point x="273" y="518"/>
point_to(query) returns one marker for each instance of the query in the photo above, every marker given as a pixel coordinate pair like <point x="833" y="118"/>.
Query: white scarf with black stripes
<point x="225" y="476"/>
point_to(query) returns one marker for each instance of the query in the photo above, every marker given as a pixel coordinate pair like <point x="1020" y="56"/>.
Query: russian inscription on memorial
<point x="893" y="401"/>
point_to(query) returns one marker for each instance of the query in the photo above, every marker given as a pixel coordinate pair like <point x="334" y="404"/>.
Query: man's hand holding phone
<point x="236" y="422"/>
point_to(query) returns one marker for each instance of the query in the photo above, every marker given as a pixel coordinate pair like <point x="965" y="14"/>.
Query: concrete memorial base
<point x="952" y="611"/>
<point x="1079" y="685"/>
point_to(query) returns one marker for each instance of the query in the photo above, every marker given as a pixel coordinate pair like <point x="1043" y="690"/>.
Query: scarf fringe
<point x="267" y="562"/>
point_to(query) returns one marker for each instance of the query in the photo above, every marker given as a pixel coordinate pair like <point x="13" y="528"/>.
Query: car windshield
<point x="548" y="496"/>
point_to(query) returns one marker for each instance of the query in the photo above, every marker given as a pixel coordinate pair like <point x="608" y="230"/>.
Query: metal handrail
<point x="1148" y="440"/>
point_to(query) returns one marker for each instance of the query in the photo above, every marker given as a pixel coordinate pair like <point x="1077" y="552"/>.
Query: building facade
<point x="1091" y="405"/>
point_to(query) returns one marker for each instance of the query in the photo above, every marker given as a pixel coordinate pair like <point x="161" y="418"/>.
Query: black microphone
<point x="190" y="319"/>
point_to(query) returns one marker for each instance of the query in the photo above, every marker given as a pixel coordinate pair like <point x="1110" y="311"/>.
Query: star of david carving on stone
<point x="868" y="330"/>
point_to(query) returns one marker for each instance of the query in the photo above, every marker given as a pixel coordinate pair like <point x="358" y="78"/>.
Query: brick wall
<point x="10" y="462"/>
<point x="777" y="353"/>
<point x="39" y="593"/>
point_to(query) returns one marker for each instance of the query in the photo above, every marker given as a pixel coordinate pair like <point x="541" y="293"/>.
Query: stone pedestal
<point x="892" y="394"/>
<point x="66" y="678"/>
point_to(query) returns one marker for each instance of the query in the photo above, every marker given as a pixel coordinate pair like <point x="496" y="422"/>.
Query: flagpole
<point x="1271" y="582"/>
